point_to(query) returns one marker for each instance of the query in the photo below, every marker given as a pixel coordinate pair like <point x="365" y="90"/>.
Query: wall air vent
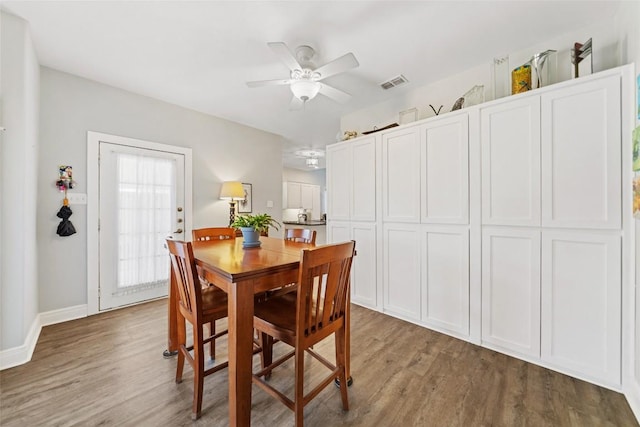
<point x="393" y="82"/>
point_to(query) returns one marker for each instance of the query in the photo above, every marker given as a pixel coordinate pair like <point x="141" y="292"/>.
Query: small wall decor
<point x="65" y="228"/>
<point x="63" y="183"/>
<point x="543" y="65"/>
<point x="501" y="77"/>
<point x="434" y="110"/>
<point x="245" y="205"/>
<point x="408" y="116"/>
<point x="636" y="196"/>
<point x="581" y="59"/>
<point x="458" y="104"/>
<point x="635" y="136"/>
<point x="65" y="178"/>
<point x="349" y="134"/>
<point x="638" y="94"/>
<point x="521" y="79"/>
<point x="474" y="96"/>
<point x="377" y="129"/>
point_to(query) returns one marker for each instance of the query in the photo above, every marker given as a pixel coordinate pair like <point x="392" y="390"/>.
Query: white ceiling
<point x="199" y="54"/>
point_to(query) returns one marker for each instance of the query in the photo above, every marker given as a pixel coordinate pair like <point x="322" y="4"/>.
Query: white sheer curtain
<point x="146" y="190"/>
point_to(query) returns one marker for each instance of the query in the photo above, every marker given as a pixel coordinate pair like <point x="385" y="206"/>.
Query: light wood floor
<point x="108" y="370"/>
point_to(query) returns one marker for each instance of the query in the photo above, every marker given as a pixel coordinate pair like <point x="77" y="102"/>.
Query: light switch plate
<point x="77" y="198"/>
<point x="269" y="203"/>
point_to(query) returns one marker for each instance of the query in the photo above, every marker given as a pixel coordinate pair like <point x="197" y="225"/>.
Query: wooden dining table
<point x="242" y="273"/>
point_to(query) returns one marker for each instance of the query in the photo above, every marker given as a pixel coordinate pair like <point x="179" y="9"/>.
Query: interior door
<point x="142" y="201"/>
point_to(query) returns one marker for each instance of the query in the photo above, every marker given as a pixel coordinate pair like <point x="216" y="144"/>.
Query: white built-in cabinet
<point x="511" y="290"/>
<point x="425" y="170"/>
<point x="502" y="224"/>
<point x="445" y="278"/>
<point x="351" y="210"/>
<point x="510" y="135"/>
<point x="444" y="168"/>
<point x="402" y="266"/>
<point x="581" y="156"/>
<point x="401" y="175"/>
<point x="581" y="303"/>
<point x="551" y="289"/>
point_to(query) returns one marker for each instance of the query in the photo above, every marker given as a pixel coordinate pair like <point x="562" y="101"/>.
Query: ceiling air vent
<point x="393" y="82"/>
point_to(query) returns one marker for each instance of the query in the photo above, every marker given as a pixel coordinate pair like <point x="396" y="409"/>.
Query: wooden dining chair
<point x="213" y="233"/>
<point x="206" y="235"/>
<point x="315" y="313"/>
<point x="198" y="306"/>
<point x="300" y="235"/>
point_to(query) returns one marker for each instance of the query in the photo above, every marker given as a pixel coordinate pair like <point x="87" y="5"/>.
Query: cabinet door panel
<point x="338" y="182"/>
<point x="338" y="231"/>
<point x="445" y="275"/>
<point x="402" y="271"/>
<point x="510" y="141"/>
<point x="581" y="155"/>
<point x="581" y="290"/>
<point x="316" y="209"/>
<point x="306" y="196"/>
<point x="363" y="274"/>
<point x="363" y="201"/>
<point x="401" y="176"/>
<point x="445" y="171"/>
<point x="511" y="289"/>
<point x="292" y="195"/>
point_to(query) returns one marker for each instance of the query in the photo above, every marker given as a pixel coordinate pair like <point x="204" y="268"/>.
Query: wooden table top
<point x="229" y="259"/>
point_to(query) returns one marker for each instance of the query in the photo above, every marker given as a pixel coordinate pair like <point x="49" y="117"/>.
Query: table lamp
<point x="232" y="191"/>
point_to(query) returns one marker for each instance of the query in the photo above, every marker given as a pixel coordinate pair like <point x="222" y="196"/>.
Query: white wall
<point x="445" y="92"/>
<point x="316" y="176"/>
<point x="222" y="150"/>
<point x="19" y="73"/>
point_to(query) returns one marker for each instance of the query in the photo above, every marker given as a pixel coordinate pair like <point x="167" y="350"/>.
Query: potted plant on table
<point x="251" y="227"/>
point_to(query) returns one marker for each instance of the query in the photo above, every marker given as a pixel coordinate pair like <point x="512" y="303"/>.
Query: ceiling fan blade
<point x="296" y="104"/>
<point x="335" y="94"/>
<point x="285" y="55"/>
<point x="344" y="63"/>
<point x="269" y="82"/>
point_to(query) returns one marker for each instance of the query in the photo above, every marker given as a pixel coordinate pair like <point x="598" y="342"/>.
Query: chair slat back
<point x="322" y="286"/>
<point x="213" y="233"/>
<point x="301" y="235"/>
<point x="183" y="266"/>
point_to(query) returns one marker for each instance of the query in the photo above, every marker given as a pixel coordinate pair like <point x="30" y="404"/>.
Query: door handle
<point x="178" y="231"/>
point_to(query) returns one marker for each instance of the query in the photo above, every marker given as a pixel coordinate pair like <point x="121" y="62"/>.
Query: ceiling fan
<point x="304" y="78"/>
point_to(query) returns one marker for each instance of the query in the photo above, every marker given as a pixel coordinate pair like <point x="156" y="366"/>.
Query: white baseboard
<point x="22" y="354"/>
<point x="632" y="394"/>
<point x="63" y="315"/>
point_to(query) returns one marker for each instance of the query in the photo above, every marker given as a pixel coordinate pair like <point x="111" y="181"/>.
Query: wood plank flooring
<point x="108" y="370"/>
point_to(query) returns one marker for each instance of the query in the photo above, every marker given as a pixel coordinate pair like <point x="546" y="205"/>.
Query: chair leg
<point x="212" y="343"/>
<point x="266" y="355"/>
<point x="182" y="339"/>
<point x="341" y="358"/>
<point x="198" y="372"/>
<point x="299" y="387"/>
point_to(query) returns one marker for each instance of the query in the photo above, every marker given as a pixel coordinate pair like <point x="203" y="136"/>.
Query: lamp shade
<point x="305" y="90"/>
<point x="231" y="190"/>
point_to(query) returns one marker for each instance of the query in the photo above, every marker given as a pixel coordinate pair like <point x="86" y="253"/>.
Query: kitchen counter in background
<point x="317" y="225"/>
<point x="312" y="223"/>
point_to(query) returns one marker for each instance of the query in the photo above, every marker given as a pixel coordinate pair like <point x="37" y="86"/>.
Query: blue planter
<point x="251" y="237"/>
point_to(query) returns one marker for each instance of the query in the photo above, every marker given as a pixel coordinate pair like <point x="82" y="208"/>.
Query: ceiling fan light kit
<point x="305" y="90"/>
<point x="304" y="77"/>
